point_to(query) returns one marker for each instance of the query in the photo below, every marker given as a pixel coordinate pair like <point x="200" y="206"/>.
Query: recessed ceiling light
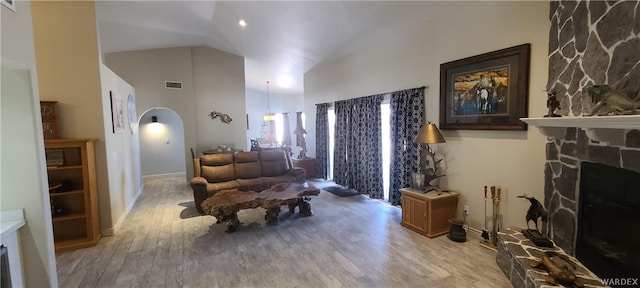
<point x="242" y="23"/>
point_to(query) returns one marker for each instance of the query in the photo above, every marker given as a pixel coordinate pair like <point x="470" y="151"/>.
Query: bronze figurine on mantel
<point x="552" y="104"/>
<point x="608" y="101"/>
<point x="558" y="274"/>
<point x="536" y="211"/>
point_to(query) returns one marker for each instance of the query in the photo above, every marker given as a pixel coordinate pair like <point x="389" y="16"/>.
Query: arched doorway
<point x="162" y="143"/>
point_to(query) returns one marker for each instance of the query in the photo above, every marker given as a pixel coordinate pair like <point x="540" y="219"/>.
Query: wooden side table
<point x="428" y="213"/>
<point x="308" y="164"/>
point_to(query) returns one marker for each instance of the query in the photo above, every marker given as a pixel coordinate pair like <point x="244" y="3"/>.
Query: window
<point x="386" y="144"/>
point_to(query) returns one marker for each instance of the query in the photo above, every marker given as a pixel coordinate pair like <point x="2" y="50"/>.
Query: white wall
<point x="513" y="160"/>
<point x="123" y="153"/>
<point x="68" y="61"/>
<point x="161" y="143"/>
<point x="218" y="79"/>
<point x="211" y="80"/>
<point x="23" y="174"/>
<point x="147" y="71"/>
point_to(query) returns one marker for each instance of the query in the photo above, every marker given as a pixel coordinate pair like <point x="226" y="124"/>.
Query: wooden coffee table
<point x="225" y="204"/>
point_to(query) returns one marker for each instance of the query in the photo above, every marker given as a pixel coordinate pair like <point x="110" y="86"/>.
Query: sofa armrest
<point x="299" y="173"/>
<point x="199" y="187"/>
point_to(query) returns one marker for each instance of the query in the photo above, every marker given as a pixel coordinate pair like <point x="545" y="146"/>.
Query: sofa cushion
<point x="244" y="157"/>
<point x="255" y="184"/>
<point x="216" y="159"/>
<point x="274" y="163"/>
<point x="215" y="187"/>
<point x="217" y="167"/>
<point x="287" y="178"/>
<point x="221" y="173"/>
<point x="247" y="165"/>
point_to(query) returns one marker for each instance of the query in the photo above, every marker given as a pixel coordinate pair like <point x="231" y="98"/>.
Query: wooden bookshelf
<point x="73" y="193"/>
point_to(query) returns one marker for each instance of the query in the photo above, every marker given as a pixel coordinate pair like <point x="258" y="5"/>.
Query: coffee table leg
<point x="232" y="222"/>
<point x="272" y="215"/>
<point x="292" y="207"/>
<point x="305" y="207"/>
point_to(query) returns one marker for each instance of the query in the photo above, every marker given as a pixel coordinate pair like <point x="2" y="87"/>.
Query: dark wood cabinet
<point x="308" y="164"/>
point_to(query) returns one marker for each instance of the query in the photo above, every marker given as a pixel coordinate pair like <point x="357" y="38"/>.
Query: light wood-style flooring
<point x="349" y="242"/>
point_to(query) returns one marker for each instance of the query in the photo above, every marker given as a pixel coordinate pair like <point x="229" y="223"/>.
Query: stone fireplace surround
<point x="590" y="42"/>
<point x="610" y="140"/>
<point x="617" y="146"/>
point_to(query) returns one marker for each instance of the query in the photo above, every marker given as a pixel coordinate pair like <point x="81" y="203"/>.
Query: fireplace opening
<point x="608" y="239"/>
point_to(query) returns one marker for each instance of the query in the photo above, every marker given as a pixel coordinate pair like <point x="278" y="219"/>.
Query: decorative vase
<point x="417" y="181"/>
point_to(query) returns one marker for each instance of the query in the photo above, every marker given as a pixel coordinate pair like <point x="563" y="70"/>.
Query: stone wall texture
<point x="516" y="254"/>
<point x="562" y="177"/>
<point x="590" y="43"/>
<point x="593" y="43"/>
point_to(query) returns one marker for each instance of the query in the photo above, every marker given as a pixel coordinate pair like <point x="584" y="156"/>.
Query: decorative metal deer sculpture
<point x="223" y="117"/>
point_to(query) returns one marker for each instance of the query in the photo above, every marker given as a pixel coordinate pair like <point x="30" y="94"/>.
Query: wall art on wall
<point x="486" y="92"/>
<point x="131" y="113"/>
<point x="117" y="113"/>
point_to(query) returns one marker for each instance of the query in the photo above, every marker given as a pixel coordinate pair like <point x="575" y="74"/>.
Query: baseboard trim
<point x="132" y="202"/>
<point x="154" y="176"/>
<point x="107" y="232"/>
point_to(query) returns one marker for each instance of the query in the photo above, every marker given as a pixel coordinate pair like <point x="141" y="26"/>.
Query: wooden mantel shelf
<point x="608" y="129"/>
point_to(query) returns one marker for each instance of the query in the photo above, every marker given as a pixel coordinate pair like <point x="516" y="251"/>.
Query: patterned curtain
<point x="322" y="140"/>
<point x="357" y="160"/>
<point x="407" y="115"/>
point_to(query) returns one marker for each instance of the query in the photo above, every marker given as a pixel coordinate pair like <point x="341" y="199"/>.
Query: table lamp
<point x="429" y="134"/>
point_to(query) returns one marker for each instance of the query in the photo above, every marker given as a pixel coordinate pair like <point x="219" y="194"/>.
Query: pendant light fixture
<point x="269" y="116"/>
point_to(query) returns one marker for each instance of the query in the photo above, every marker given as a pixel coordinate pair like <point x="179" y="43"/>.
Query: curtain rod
<point x="332" y="103"/>
<point x="422" y="87"/>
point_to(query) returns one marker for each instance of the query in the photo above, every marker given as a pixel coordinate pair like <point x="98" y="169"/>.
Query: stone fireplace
<point x="562" y="177"/>
<point x="565" y="158"/>
<point x="606" y="140"/>
<point x="590" y="43"/>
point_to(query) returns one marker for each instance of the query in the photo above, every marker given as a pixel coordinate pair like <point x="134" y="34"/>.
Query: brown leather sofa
<point x="245" y="171"/>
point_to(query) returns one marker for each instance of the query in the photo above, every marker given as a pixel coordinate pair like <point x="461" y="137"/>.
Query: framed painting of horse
<point x="486" y="92"/>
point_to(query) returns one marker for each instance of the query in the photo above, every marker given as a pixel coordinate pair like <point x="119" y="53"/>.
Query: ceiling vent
<point x="172" y="85"/>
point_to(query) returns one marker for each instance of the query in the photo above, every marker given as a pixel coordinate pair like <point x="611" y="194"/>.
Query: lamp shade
<point x="429" y="134"/>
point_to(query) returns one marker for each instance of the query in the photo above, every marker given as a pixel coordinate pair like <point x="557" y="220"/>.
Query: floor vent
<point x="172" y="85"/>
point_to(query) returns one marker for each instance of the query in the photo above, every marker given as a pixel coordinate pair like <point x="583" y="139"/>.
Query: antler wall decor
<point x="223" y="117"/>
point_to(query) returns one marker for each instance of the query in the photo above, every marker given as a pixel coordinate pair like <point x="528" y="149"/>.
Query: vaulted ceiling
<point x="283" y="39"/>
